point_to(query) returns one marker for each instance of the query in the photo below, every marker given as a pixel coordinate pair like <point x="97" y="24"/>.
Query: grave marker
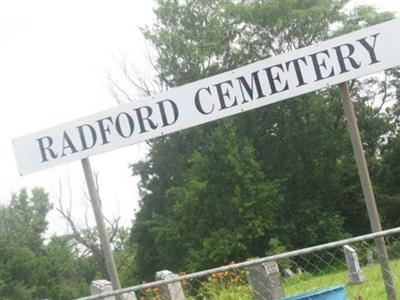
<point x="170" y="291"/>
<point x="288" y="272"/>
<point x="355" y="274"/>
<point x="101" y="286"/>
<point x="265" y="280"/>
<point x="370" y="257"/>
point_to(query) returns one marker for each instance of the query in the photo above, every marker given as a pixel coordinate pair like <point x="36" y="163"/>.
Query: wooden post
<point x="105" y="244"/>
<point x="367" y="189"/>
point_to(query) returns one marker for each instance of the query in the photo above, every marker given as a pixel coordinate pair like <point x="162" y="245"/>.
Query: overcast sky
<point x="54" y="60"/>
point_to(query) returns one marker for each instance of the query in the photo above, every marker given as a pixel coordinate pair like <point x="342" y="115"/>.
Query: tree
<point x="234" y="204"/>
<point x="388" y="174"/>
<point x="299" y="150"/>
<point x="87" y="238"/>
<point x="30" y="266"/>
<point x="22" y="224"/>
<point x="63" y="272"/>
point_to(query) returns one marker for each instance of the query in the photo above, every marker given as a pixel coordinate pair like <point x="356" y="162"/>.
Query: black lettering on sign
<point x="318" y="65"/>
<point x="198" y="104"/>
<point x="341" y="57"/>
<point x="163" y="112"/>
<point x="297" y="69"/>
<point x="129" y="122"/>
<point x="247" y="85"/>
<point x="142" y="118"/>
<point x="370" y="48"/>
<point x="224" y="95"/>
<point x="105" y="129"/>
<point x="68" y="145"/>
<point x="255" y="80"/>
<point x="83" y="136"/>
<point x="276" y="78"/>
<point x="44" y="145"/>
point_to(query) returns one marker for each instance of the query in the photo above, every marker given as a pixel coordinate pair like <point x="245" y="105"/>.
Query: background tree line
<point x="36" y="266"/>
<point x="280" y="177"/>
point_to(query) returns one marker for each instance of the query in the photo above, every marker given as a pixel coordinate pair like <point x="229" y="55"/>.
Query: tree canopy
<point x="29" y="267"/>
<point x="283" y="174"/>
<point x="34" y="265"/>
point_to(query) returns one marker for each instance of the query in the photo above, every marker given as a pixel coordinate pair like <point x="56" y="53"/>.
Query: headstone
<point x="101" y="286"/>
<point x="370" y="257"/>
<point x="170" y="291"/>
<point x="129" y="296"/>
<point x="288" y="272"/>
<point x="265" y="280"/>
<point x="104" y="286"/>
<point x="355" y="274"/>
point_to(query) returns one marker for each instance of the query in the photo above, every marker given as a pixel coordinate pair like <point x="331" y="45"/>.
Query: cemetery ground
<point x="306" y="273"/>
<point x="228" y="286"/>
<point x="347" y="268"/>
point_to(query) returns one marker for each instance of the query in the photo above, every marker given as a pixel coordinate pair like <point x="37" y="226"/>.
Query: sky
<point x="55" y="58"/>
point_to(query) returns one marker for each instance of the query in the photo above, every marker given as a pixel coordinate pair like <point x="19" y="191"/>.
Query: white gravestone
<point x="170" y="291"/>
<point x="104" y="286"/>
<point x="370" y="257"/>
<point x="355" y="274"/>
<point x="265" y="280"/>
<point x="101" y="286"/>
<point x="288" y="272"/>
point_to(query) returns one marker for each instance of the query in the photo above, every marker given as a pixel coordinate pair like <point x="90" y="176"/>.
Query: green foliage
<point x="124" y="257"/>
<point x="62" y="273"/>
<point x="29" y="267"/>
<point x="226" y="187"/>
<point x="227" y="190"/>
<point x="227" y="285"/>
<point x="389" y="177"/>
<point x="221" y="289"/>
<point x="24" y="221"/>
<point x="276" y="247"/>
<point x="22" y="224"/>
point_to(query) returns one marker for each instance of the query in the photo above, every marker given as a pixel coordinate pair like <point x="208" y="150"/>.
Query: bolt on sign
<point x="258" y="84"/>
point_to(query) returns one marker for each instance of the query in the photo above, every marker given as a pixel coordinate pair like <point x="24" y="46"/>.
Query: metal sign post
<point x="367" y="189"/>
<point x="105" y="243"/>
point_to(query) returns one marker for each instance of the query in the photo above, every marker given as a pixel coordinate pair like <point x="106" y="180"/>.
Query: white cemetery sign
<point x="258" y="84"/>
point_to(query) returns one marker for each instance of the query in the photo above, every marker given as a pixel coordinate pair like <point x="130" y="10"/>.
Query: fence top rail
<point x="246" y="263"/>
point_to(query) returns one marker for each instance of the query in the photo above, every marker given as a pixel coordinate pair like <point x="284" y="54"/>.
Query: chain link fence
<point x="349" y="269"/>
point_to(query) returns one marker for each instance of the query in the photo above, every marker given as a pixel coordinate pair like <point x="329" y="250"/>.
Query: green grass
<point x="371" y="289"/>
